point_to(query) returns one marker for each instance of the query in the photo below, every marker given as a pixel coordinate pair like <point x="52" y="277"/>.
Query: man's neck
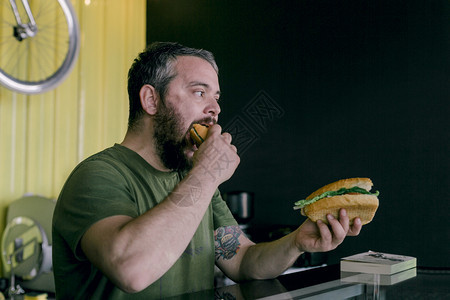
<point x="142" y="143"/>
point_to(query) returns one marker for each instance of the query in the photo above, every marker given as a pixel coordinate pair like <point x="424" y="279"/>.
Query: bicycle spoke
<point x="45" y="60"/>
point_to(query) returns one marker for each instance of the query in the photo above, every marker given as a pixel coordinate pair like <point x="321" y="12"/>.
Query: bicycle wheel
<point x="38" y="63"/>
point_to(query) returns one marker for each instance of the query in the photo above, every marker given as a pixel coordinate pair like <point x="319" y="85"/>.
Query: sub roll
<point x="352" y="194"/>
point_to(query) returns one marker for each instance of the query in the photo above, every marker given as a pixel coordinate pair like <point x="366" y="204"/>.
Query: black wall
<point x="354" y="89"/>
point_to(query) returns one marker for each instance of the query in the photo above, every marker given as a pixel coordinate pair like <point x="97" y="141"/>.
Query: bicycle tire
<point x="19" y="58"/>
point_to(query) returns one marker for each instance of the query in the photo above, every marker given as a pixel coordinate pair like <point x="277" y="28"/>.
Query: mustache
<point x="209" y="121"/>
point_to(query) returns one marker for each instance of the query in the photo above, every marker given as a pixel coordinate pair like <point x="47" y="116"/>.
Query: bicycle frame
<point x="23" y="31"/>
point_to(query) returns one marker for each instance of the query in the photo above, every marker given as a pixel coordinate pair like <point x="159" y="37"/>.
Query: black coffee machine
<point x="241" y="204"/>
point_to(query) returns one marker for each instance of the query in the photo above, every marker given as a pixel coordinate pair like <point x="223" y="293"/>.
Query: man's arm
<point x="134" y="253"/>
<point x="244" y="260"/>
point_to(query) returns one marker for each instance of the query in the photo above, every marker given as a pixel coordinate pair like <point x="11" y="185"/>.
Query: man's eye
<point x="200" y="93"/>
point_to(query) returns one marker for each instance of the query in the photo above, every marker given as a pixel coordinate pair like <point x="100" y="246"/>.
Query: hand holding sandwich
<point x="353" y="194"/>
<point x="320" y="237"/>
<point x="268" y="260"/>
<point x="334" y="211"/>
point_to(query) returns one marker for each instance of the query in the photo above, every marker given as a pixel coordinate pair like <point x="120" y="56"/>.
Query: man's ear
<point x="149" y="99"/>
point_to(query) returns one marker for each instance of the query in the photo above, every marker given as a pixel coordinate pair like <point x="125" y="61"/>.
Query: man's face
<point x="191" y="98"/>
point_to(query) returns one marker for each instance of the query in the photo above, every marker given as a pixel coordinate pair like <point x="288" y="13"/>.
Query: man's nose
<point x="213" y="107"/>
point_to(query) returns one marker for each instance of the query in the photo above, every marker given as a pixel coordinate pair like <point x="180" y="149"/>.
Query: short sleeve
<point x="95" y="190"/>
<point x="222" y="215"/>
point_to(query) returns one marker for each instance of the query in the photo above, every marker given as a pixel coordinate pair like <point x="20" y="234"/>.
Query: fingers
<point x="335" y="233"/>
<point x="339" y="227"/>
<point x="227" y="137"/>
<point x="216" y="129"/>
<point x="350" y="230"/>
<point x="329" y="240"/>
<point x="345" y="223"/>
<point x="216" y="157"/>
<point x="320" y="236"/>
<point x="325" y="234"/>
<point x="234" y="148"/>
<point x="343" y="219"/>
<point x="355" y="229"/>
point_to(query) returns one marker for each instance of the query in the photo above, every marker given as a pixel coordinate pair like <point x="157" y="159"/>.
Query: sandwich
<point x="352" y="194"/>
<point x="198" y="133"/>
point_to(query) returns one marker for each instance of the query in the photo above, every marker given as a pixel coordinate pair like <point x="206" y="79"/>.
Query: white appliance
<point x="26" y="243"/>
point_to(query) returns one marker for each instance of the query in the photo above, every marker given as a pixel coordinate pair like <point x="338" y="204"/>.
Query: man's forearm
<point x="268" y="260"/>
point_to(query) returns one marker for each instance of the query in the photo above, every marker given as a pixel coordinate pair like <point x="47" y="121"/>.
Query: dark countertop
<point x="326" y="283"/>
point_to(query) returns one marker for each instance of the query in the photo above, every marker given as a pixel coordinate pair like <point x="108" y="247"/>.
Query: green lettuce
<point x="302" y="203"/>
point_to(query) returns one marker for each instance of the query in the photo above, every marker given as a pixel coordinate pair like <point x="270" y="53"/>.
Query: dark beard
<point x="170" y="139"/>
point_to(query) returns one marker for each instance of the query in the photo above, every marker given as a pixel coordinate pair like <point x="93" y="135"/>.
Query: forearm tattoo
<point x="189" y="197"/>
<point x="226" y="241"/>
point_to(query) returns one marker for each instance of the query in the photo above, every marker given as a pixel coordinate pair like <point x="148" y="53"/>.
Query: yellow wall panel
<point x="40" y="124"/>
<point x="43" y="137"/>
<point x="92" y="76"/>
<point x="65" y="130"/>
<point x="114" y="73"/>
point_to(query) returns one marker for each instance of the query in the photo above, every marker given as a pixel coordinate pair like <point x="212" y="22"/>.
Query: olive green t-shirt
<point x="118" y="181"/>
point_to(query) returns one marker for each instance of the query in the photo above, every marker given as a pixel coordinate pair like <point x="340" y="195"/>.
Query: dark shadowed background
<point x="326" y="90"/>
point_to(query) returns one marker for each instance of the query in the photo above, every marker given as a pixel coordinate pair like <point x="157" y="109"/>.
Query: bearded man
<point x="144" y="218"/>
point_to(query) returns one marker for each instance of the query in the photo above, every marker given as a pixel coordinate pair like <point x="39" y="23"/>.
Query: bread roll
<point x="356" y="205"/>
<point x="362" y="206"/>
<point x="364" y="183"/>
